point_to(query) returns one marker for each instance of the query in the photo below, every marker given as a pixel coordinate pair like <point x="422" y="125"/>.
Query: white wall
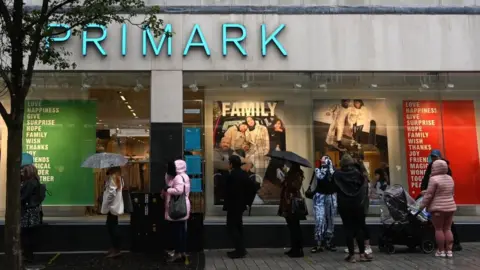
<point x="313" y="43"/>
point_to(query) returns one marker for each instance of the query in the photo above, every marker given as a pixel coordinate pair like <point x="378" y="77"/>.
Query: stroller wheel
<point x="391" y="249"/>
<point x="427" y="246"/>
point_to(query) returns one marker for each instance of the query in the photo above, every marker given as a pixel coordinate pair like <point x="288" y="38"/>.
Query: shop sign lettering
<point x="196" y="39"/>
<point x="248" y="108"/>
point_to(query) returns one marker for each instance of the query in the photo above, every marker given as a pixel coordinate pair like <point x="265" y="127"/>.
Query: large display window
<point x="390" y="121"/>
<point x="70" y="116"/>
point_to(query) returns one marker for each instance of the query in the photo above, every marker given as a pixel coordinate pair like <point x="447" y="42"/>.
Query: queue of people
<point x="345" y="191"/>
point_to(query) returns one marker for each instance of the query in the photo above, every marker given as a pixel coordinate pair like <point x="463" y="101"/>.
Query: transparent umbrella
<point x="104" y="160"/>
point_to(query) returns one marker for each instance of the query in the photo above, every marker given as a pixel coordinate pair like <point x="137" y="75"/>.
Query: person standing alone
<point x="236" y="188"/>
<point x="112" y="206"/>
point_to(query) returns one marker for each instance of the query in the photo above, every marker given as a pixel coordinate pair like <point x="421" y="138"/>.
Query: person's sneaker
<point x="449" y="254"/>
<point x="114" y="254"/>
<point x="350" y="258"/>
<point x="331" y="247"/>
<point x="366" y="257"/>
<point x="236" y="254"/>
<point x="457" y="247"/>
<point x="368" y="250"/>
<point x="440" y="254"/>
<point x="288" y="251"/>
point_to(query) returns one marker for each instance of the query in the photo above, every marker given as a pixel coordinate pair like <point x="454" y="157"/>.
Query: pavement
<point x="127" y="261"/>
<point x="273" y="259"/>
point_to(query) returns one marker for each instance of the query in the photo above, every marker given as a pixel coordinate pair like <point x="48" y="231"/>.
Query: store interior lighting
<point x="193" y="87"/>
<point x="374" y="85"/>
<point x="138" y="87"/>
<point x="244" y="85"/>
<point x="450" y="85"/>
<point x="297" y="86"/>
<point x="129" y="107"/>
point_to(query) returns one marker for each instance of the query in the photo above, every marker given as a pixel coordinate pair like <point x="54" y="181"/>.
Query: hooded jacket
<point x="350" y="183"/>
<point x="428" y="172"/>
<point x="440" y="191"/>
<point x="176" y="186"/>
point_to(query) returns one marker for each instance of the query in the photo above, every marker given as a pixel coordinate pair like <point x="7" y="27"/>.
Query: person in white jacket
<point x="339" y="115"/>
<point x="358" y="118"/>
<point x="112" y="206"/>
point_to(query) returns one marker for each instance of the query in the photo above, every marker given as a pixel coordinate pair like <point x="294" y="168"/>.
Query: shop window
<point x="70" y="116"/>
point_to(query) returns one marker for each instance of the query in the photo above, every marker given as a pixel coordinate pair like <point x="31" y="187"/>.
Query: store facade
<point x="413" y="76"/>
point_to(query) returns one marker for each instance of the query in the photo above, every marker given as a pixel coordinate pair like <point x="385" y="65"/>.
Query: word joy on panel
<point x="196" y="39"/>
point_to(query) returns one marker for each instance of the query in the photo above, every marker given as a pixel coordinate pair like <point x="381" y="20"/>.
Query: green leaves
<point x="34" y="31"/>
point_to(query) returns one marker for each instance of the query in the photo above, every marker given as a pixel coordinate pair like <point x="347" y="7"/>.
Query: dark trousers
<point x="456" y="240"/>
<point x="27" y="238"/>
<point x="179" y="231"/>
<point x="235" y="229"/>
<point x="353" y="220"/>
<point x="296" y="237"/>
<point x="113" y="231"/>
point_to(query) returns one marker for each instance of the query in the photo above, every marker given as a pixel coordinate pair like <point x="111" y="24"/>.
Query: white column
<point x="167" y="97"/>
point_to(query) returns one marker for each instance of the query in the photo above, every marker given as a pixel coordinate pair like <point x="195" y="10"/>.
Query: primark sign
<point x="268" y="38"/>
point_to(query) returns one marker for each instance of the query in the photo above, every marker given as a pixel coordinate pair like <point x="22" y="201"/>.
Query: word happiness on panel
<point x="196" y="39"/>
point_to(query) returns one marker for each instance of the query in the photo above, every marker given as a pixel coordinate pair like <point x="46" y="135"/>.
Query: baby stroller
<point x="404" y="224"/>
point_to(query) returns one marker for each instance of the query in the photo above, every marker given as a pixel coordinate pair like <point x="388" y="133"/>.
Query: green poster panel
<point x="60" y="135"/>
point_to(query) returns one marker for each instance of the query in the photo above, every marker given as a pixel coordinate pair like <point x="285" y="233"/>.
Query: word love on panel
<point x="195" y="39"/>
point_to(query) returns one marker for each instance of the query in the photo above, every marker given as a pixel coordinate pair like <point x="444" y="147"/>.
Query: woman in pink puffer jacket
<point x="439" y="201"/>
<point x="177" y="182"/>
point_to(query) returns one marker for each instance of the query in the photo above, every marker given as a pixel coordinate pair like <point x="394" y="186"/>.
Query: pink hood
<point x="177" y="186"/>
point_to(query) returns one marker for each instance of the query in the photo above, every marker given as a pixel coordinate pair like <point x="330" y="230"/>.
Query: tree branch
<point x="37" y="35"/>
<point x="6" y="16"/>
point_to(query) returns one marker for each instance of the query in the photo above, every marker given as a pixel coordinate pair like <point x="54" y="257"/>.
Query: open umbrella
<point x="290" y="156"/>
<point x="104" y="160"/>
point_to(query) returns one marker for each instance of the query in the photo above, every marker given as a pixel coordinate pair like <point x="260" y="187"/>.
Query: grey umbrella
<point x="104" y="160"/>
<point x="290" y="156"/>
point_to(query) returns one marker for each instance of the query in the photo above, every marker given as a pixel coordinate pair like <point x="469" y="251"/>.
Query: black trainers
<point x="350" y="258"/>
<point x="296" y="254"/>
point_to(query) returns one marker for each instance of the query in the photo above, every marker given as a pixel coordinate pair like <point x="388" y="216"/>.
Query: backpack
<point x="251" y="189"/>
<point x="39" y="196"/>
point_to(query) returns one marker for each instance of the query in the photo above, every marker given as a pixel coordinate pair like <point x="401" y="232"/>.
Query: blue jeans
<point x="324" y="209"/>
<point x="179" y="230"/>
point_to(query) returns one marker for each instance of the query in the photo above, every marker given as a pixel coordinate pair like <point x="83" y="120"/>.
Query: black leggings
<point x="296" y="237"/>
<point x="179" y="230"/>
<point x="353" y="220"/>
<point x="28" y="242"/>
<point x="113" y="231"/>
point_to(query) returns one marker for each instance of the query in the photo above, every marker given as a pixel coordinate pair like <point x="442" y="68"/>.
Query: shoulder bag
<point x="178" y="205"/>
<point x="310" y="190"/>
<point x="299" y="207"/>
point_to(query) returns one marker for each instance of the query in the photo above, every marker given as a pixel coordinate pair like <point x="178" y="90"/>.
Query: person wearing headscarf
<point x="324" y="206"/>
<point x="351" y="187"/>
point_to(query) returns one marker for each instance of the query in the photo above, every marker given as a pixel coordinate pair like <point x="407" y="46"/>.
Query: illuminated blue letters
<point x="56" y="38"/>
<point x="157" y="49"/>
<point x="124" y="39"/>
<point x="96" y="41"/>
<point x="272" y="38"/>
<point x="203" y="43"/>
<point x="235" y="41"/>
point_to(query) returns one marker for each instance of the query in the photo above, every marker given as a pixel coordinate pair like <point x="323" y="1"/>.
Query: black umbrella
<point x="290" y="156"/>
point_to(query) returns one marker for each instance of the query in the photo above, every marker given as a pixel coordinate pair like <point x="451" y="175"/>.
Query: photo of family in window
<point x="250" y="130"/>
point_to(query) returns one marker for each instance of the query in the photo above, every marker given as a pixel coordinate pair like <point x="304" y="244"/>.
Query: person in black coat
<point x="235" y="204"/>
<point x="351" y="188"/>
<point x="436" y="155"/>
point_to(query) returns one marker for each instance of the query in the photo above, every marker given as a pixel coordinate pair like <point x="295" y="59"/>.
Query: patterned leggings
<point x="324" y="209"/>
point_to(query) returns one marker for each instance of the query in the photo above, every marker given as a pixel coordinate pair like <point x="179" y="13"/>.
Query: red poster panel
<point x="461" y="149"/>
<point x="422" y="126"/>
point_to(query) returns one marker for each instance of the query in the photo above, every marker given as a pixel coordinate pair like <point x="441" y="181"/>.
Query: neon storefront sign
<point x="196" y="39"/>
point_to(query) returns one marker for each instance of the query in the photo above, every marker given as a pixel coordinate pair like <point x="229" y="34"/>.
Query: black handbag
<point x="299" y="207"/>
<point x="310" y="193"/>
<point x="127" y="201"/>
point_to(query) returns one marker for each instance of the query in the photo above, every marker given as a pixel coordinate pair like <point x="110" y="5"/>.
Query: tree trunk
<point x="12" y="213"/>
